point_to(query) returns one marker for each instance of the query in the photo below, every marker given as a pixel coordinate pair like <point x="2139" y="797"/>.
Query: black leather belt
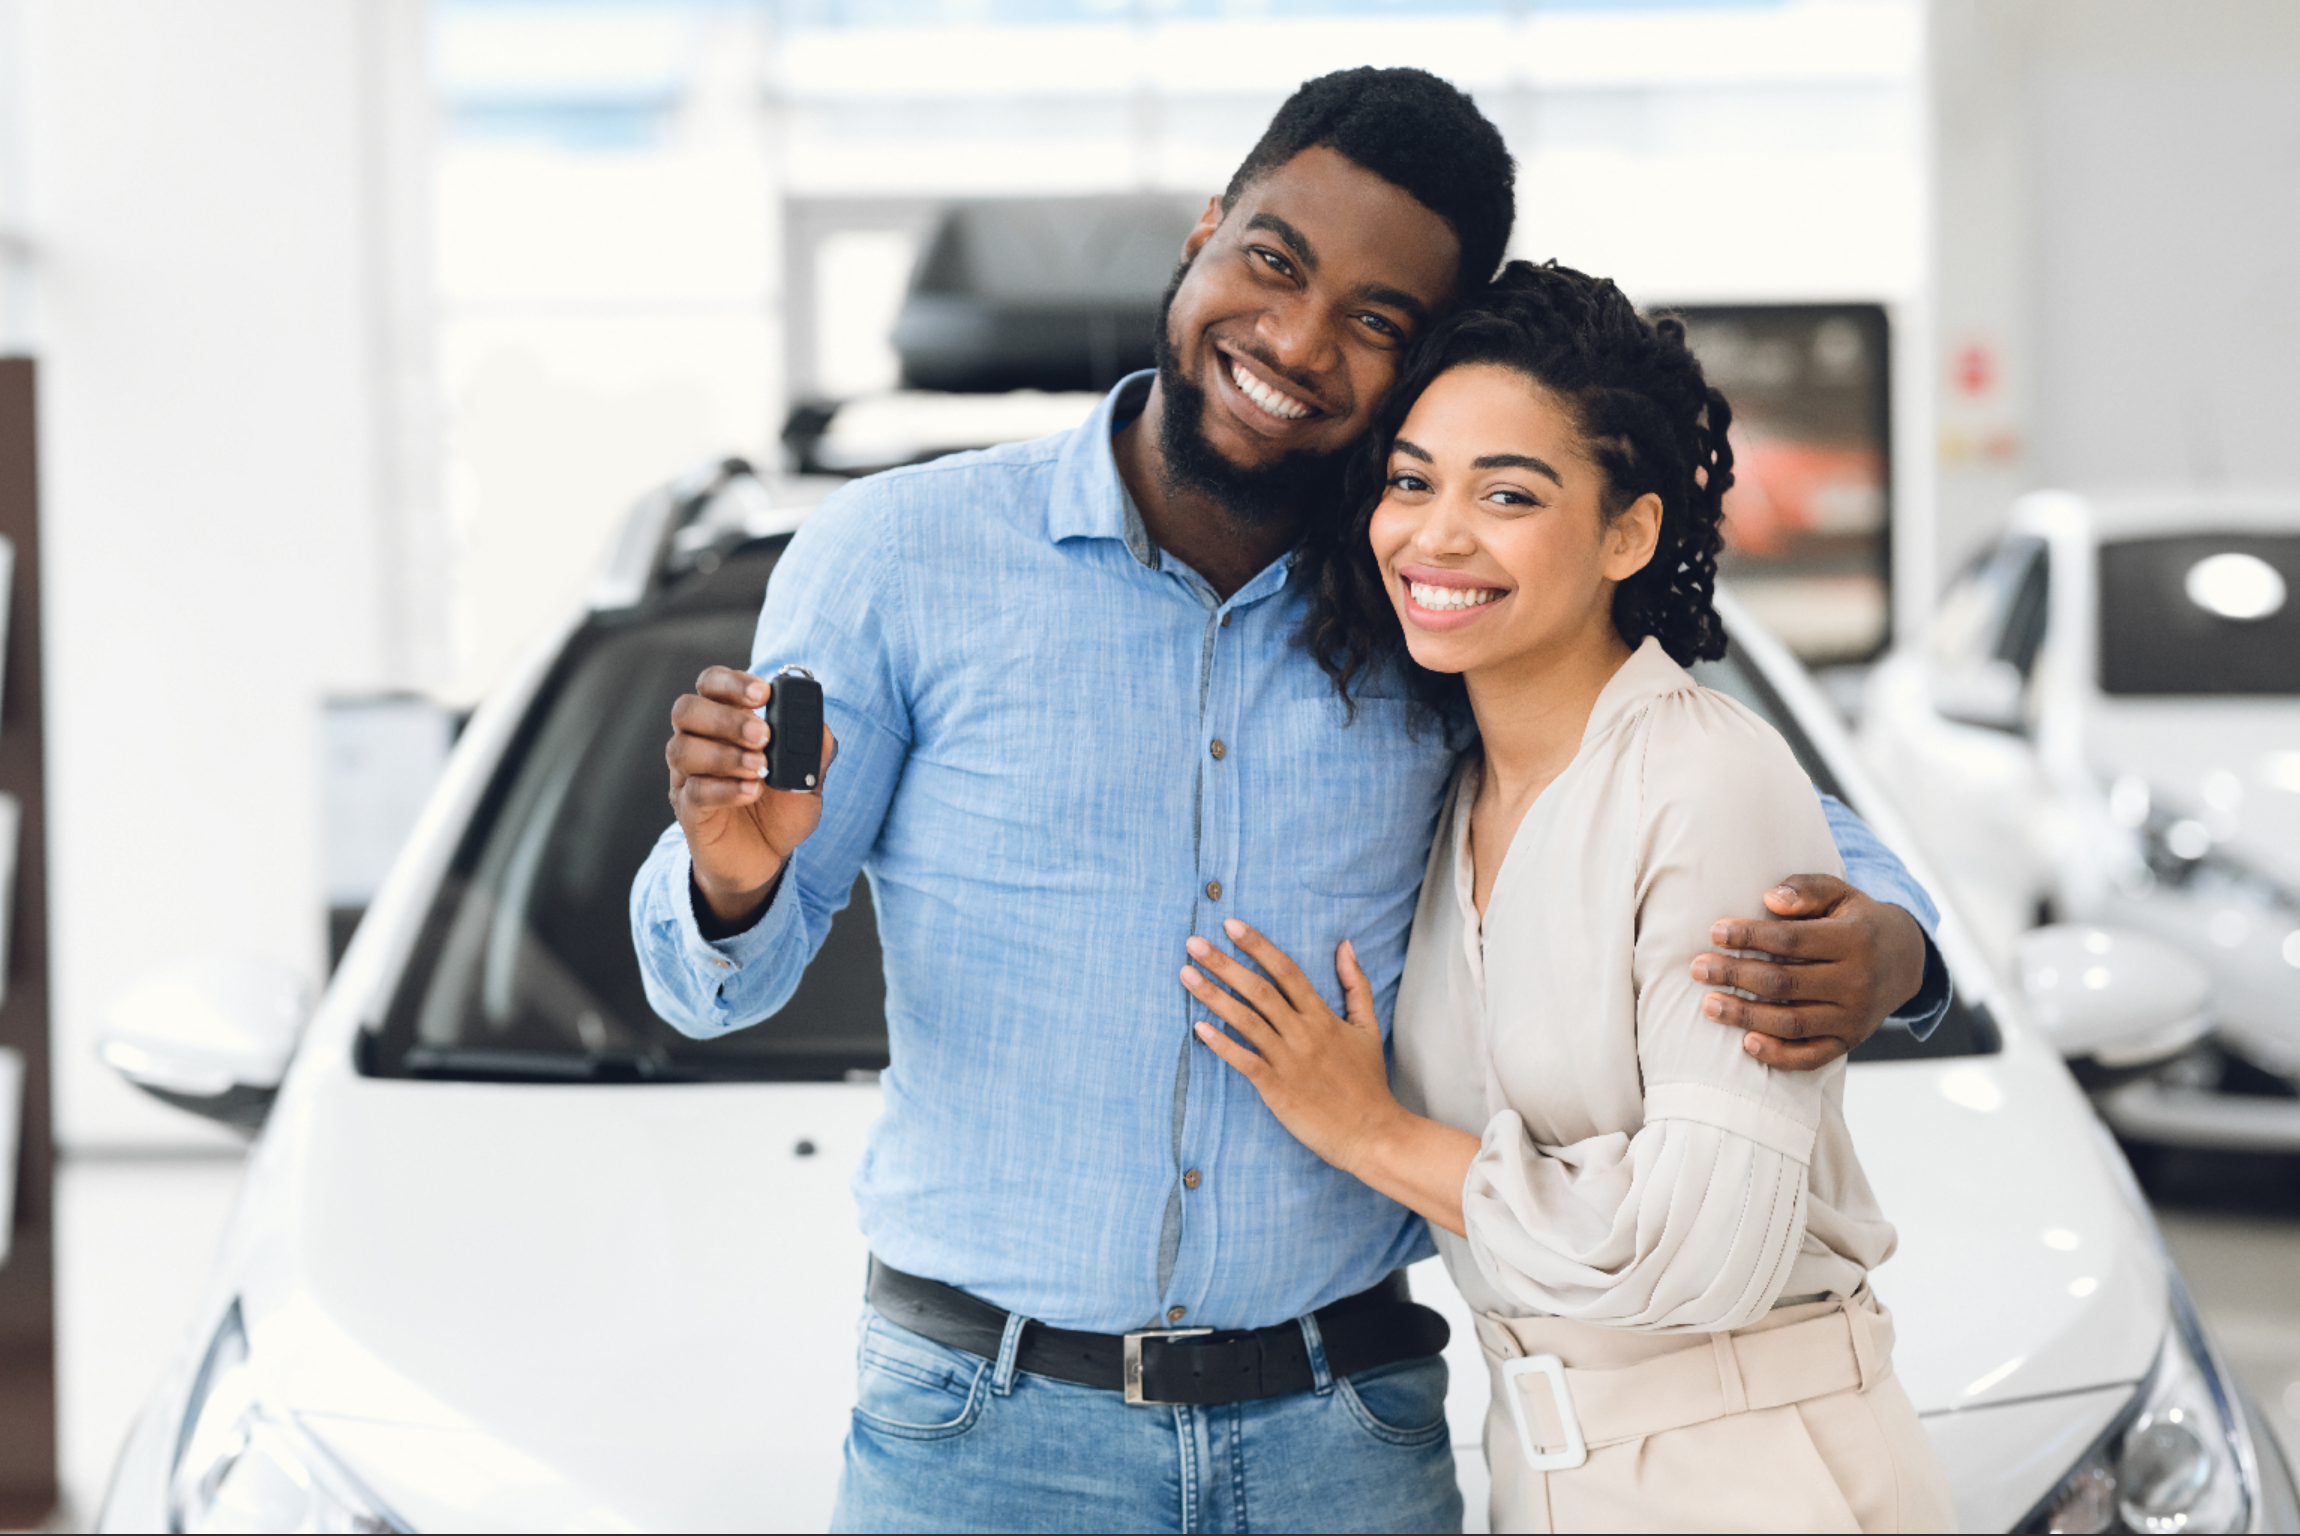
<point x="1376" y="1327"/>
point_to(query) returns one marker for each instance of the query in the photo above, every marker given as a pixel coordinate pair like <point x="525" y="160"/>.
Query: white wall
<point x="239" y="502"/>
<point x="2117" y="240"/>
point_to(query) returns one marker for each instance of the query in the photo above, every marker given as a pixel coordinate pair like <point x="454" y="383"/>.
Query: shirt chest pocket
<point x="1359" y="800"/>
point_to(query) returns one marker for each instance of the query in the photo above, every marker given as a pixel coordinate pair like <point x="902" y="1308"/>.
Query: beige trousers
<point x="1794" y="1423"/>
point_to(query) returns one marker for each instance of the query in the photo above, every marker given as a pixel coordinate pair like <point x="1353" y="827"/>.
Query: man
<point x="1072" y="731"/>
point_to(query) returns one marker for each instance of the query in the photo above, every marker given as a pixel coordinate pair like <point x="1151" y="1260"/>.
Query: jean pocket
<point x="915" y="1389"/>
<point x="1401" y="1404"/>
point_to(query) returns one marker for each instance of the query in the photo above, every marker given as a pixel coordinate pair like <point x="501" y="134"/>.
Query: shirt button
<point x="1213" y="890"/>
<point x="1218" y="750"/>
<point x="1191" y="1180"/>
<point x="1174" y="1314"/>
<point x="721" y="964"/>
<point x="1225" y="621"/>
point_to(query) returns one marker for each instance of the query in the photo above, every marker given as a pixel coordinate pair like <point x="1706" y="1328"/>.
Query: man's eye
<point x="1274" y="261"/>
<point x="1382" y="328"/>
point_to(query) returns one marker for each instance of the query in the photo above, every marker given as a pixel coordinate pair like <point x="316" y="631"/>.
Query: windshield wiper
<point x="498" y="1065"/>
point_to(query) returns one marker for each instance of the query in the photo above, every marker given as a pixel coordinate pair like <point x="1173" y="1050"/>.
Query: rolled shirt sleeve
<point x="1877" y="873"/>
<point x="834" y="606"/>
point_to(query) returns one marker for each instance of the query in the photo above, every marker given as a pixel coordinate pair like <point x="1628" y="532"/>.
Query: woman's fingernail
<point x="1233" y="927"/>
<point x="1198" y="946"/>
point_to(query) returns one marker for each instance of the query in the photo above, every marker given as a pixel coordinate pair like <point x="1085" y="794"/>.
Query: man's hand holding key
<point x="739" y="832"/>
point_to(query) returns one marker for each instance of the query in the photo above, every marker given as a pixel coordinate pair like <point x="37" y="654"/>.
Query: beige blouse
<point x="1637" y="1168"/>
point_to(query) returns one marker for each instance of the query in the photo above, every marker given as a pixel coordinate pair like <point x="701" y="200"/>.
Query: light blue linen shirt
<point x="1060" y="754"/>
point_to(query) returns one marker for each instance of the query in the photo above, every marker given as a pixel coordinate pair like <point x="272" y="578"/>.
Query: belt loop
<point x="1495" y="1336"/>
<point x="1865" y="1360"/>
<point x="1732" y="1391"/>
<point x="1009" y="1345"/>
<point x="1321" y="1374"/>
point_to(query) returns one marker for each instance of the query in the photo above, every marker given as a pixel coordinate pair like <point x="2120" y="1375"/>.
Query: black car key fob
<point x="795" y="732"/>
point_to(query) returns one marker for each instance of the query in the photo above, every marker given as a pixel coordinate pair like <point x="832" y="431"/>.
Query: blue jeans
<point x="943" y="1440"/>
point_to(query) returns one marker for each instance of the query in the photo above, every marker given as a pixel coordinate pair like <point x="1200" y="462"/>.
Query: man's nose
<point x="1297" y="337"/>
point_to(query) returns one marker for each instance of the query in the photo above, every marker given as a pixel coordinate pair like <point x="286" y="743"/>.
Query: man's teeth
<point x="1267" y="398"/>
<point x="1439" y="599"/>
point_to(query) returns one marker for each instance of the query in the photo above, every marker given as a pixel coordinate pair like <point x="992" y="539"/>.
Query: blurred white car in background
<point x="512" y="1255"/>
<point x="2106" y="728"/>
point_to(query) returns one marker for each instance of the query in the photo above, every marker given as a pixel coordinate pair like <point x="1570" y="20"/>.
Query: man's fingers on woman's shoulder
<point x="1794" y="1055"/>
<point x="1781" y="1021"/>
<point x="1806" y="895"/>
<point x="1766" y="978"/>
<point x="1789" y="940"/>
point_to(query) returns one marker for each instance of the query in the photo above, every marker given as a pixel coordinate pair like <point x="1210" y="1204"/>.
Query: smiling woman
<point x="1666" y="1242"/>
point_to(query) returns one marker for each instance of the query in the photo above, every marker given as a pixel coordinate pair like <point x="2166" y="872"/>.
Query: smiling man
<point x="1074" y="730"/>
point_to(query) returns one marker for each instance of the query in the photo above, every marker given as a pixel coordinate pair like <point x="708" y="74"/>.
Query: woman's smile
<point x="1445" y="600"/>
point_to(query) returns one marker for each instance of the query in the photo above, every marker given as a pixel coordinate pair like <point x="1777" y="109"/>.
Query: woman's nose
<point x="1446" y="530"/>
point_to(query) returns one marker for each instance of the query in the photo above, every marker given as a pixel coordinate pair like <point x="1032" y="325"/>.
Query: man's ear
<point x="1635" y="534"/>
<point x="1203" y="230"/>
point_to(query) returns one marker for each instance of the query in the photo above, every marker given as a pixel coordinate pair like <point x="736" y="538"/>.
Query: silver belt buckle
<point x="1133" y="1346"/>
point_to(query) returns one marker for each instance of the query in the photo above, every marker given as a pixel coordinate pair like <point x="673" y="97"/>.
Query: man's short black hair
<point x="1415" y="132"/>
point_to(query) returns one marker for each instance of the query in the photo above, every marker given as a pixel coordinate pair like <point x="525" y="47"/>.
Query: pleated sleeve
<point x="1694" y="1219"/>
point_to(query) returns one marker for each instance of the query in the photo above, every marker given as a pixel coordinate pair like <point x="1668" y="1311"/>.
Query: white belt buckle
<point x="1576" y="1449"/>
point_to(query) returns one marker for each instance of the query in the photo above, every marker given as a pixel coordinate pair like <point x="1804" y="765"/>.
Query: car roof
<point x="2145" y="513"/>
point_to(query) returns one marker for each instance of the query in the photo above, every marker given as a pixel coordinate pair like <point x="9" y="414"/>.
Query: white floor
<point x="135" y="1238"/>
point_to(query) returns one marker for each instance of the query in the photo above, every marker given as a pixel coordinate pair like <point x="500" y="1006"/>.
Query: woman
<point x="1654" y="1229"/>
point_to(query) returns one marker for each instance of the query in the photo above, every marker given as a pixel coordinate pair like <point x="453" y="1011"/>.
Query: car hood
<point x="546" y="1307"/>
<point x="2193" y="752"/>
<point x="543" y="1307"/>
<point x="2027" y="1265"/>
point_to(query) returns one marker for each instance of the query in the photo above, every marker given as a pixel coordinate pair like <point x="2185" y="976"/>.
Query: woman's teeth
<point x="1440" y="599"/>
<point x="1280" y="405"/>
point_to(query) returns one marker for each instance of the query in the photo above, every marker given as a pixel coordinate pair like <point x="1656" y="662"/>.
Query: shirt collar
<point x="1090" y="501"/>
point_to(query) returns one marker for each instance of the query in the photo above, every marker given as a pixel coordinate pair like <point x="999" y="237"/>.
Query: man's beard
<point x="1255" y="495"/>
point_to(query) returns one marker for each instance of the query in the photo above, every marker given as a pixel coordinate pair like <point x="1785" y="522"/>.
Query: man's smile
<point x="1258" y="400"/>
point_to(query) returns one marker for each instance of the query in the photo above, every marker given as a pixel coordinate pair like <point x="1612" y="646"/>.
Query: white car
<point x="512" y="1255"/>
<point x="2106" y="728"/>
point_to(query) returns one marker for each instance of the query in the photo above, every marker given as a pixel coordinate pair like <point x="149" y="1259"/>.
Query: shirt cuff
<point x="1922" y="1014"/>
<point x="729" y="956"/>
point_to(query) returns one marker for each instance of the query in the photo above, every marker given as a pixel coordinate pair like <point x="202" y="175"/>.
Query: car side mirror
<point x="2115" y="1003"/>
<point x="1984" y="693"/>
<point x="211" y="1035"/>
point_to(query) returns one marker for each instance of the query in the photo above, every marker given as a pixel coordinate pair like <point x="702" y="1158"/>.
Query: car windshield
<point x="524" y="969"/>
<point x="2201" y="613"/>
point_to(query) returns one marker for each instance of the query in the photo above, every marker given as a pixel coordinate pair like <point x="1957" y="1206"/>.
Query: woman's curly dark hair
<point x="1648" y="418"/>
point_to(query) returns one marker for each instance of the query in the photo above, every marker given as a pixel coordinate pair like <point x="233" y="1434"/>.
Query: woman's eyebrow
<point x="1518" y="461"/>
<point x="1400" y="445"/>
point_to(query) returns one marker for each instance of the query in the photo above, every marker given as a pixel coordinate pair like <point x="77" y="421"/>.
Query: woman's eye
<point x="1512" y="499"/>
<point x="1407" y="480"/>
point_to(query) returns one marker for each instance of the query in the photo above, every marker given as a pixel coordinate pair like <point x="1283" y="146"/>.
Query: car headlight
<point x="2177" y="1459"/>
<point x="241" y="1466"/>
